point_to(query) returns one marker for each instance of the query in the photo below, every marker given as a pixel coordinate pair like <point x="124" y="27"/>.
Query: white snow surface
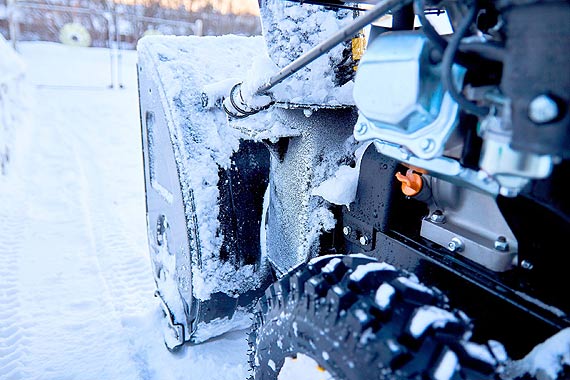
<point x="545" y="361"/>
<point x="76" y="289"/>
<point x="13" y="98"/>
<point x="427" y="316"/>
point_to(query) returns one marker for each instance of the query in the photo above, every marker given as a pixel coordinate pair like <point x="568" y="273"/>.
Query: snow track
<point x="13" y="340"/>
<point x="76" y="289"/>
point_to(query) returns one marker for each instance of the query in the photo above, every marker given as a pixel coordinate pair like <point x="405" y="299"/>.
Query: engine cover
<point x="400" y="97"/>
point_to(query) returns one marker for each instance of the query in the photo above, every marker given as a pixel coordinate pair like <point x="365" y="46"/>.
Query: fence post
<point x="13" y="23"/>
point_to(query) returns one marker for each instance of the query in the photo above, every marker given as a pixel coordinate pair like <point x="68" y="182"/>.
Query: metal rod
<point x="342" y="35"/>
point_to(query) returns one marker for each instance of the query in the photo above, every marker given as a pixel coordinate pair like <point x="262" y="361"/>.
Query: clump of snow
<point x="480" y="352"/>
<point x="446" y="367"/>
<point x="331" y="266"/>
<point x="546" y="360"/>
<point x="340" y="188"/>
<point x="427" y="316"/>
<point x="240" y="320"/>
<point x="363" y="270"/>
<point x="414" y="284"/>
<point x="384" y="295"/>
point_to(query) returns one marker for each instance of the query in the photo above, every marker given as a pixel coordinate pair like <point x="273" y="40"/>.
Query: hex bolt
<point x="543" y="109"/>
<point x="437" y="217"/>
<point x="525" y="264"/>
<point x="361" y="128"/>
<point x="346" y="230"/>
<point x="427" y="145"/>
<point x="456" y="245"/>
<point x="501" y="244"/>
<point x="364" y="240"/>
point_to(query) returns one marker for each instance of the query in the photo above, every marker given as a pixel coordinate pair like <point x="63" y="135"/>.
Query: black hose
<point x="427" y="27"/>
<point x="487" y="50"/>
<point x="447" y="63"/>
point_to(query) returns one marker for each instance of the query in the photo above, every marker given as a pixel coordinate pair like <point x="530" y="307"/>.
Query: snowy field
<point x="76" y="291"/>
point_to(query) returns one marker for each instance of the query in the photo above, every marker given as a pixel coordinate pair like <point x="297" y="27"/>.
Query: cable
<point x="447" y="63"/>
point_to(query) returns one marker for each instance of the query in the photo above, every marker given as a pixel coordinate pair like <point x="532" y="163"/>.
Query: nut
<point x="501" y="244"/>
<point x="364" y="240"/>
<point x="543" y="109"/>
<point x="346" y="230"/>
<point x="437" y="217"/>
<point x="456" y="245"/>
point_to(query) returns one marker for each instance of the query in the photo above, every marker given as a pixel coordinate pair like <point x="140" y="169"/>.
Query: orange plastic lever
<point x="411" y="182"/>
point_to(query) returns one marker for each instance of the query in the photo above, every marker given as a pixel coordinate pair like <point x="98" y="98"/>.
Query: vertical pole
<point x="13" y="23"/>
<point x="110" y="26"/>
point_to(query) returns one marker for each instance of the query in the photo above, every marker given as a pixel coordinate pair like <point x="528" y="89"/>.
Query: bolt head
<point x="456" y="245"/>
<point x="543" y="109"/>
<point x="501" y="244"/>
<point x="525" y="264"/>
<point x="364" y="240"/>
<point x="346" y="230"/>
<point x="427" y="145"/>
<point x="361" y="128"/>
<point x="437" y="217"/>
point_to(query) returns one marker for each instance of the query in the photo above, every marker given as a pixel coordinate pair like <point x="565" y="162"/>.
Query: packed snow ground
<point x="76" y="291"/>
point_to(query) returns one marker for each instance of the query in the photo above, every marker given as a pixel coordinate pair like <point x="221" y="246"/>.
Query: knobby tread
<point x="327" y="309"/>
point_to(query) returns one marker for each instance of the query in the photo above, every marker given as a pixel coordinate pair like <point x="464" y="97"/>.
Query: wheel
<point x="351" y="317"/>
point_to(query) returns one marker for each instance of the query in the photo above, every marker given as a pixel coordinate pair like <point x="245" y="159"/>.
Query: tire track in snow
<point x="120" y="249"/>
<point x="77" y="333"/>
<point x="13" y="335"/>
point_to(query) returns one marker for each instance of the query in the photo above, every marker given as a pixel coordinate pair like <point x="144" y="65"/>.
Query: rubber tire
<point x="326" y="314"/>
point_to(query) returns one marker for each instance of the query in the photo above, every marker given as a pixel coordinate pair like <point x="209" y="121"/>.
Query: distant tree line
<point x="125" y="21"/>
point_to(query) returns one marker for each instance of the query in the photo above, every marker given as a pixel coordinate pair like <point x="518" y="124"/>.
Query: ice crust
<point x="291" y="30"/>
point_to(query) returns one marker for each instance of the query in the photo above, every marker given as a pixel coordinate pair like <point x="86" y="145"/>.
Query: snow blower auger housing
<point x="381" y="197"/>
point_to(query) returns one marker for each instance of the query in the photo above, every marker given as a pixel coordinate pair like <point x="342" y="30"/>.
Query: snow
<point x="427" y="316"/>
<point x="363" y="270"/>
<point x="76" y="298"/>
<point x="203" y="141"/>
<point x="292" y="30"/>
<point x="446" y="367"/>
<point x="480" y="352"/>
<point x="331" y="266"/>
<point x="13" y="92"/>
<point x="545" y="361"/>
<point x="384" y="295"/>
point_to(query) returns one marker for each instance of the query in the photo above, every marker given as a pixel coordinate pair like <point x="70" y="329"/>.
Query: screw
<point x="542" y="109"/>
<point x="509" y="192"/>
<point x="437" y="217"/>
<point x="527" y="265"/>
<point x="427" y="145"/>
<point x="361" y="128"/>
<point x="364" y="240"/>
<point x="456" y="245"/>
<point x="501" y="244"/>
<point x="346" y="230"/>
